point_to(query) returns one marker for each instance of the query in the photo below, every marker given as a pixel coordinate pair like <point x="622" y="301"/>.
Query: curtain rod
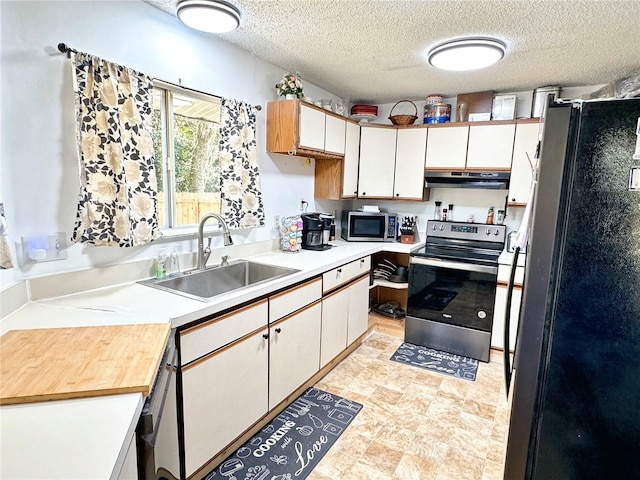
<point x="64" y="48"/>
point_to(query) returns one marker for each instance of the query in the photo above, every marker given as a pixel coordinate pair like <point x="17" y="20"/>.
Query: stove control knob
<point x="487" y="231"/>
<point x="497" y="232"/>
<point x="442" y="228"/>
<point x="435" y="227"/>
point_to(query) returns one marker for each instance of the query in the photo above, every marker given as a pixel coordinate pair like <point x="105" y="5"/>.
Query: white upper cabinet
<point x="524" y="150"/>
<point x="377" y="162"/>
<point x="312" y="125"/>
<point x="490" y="146"/>
<point x="351" y="157"/>
<point x="334" y="134"/>
<point x="447" y="148"/>
<point x="411" y="146"/>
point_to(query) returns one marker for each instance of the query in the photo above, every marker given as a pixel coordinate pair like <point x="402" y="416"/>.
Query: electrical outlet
<point x="276" y="221"/>
<point x="303" y="204"/>
<point x="45" y="248"/>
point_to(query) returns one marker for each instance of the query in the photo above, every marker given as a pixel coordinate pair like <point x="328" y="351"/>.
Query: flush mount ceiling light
<point x="213" y="16"/>
<point x="466" y="54"/>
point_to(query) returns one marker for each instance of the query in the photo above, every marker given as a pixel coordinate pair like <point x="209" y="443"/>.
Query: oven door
<point x="455" y="293"/>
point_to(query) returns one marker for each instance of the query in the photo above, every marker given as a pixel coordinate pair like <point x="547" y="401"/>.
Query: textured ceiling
<point x="374" y="50"/>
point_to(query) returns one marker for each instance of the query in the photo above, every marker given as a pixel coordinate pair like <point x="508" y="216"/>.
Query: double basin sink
<point x="206" y="284"/>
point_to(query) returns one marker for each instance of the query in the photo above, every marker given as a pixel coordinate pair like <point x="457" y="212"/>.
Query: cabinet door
<point x="334" y="134"/>
<point x="499" y="315"/>
<point x="223" y="395"/>
<point x="311" y="128"/>
<point x="447" y="147"/>
<point x="525" y="144"/>
<point x="335" y="311"/>
<point x="377" y="162"/>
<point x="490" y="146"/>
<point x="294" y="352"/>
<point x="358" y="309"/>
<point x="351" y="160"/>
<point x="411" y="147"/>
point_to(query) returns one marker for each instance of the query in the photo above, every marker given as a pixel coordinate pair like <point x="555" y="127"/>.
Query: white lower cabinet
<point x="294" y="352"/>
<point x="344" y="318"/>
<point x="223" y="394"/>
<point x="500" y="314"/>
<point x="358" y="309"/>
<point x="335" y="317"/>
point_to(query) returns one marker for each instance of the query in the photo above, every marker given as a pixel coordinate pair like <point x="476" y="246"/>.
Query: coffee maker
<point x="316" y="230"/>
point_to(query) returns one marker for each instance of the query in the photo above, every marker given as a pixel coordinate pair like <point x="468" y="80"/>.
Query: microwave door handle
<point x="507" y="320"/>
<point x="467" y="267"/>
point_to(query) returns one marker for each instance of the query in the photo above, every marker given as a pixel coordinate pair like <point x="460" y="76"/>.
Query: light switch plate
<point x="44" y="248"/>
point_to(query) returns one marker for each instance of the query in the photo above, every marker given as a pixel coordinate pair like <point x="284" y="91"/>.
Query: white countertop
<point x="88" y="438"/>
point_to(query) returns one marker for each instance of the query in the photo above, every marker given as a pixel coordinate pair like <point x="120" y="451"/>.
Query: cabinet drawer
<point x="294" y="299"/>
<point x="202" y="339"/>
<point x="345" y="273"/>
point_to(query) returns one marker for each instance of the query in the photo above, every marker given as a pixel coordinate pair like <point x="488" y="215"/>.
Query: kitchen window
<point x="186" y="136"/>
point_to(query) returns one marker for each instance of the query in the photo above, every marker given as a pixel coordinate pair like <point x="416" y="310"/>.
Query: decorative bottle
<point x="490" y="216"/>
<point x="437" y="214"/>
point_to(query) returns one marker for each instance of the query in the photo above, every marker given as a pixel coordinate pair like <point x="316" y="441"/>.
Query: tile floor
<point x="415" y="424"/>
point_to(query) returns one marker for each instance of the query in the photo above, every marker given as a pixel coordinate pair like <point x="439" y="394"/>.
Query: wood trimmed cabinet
<point x="219" y="380"/>
<point x="392" y="162"/>
<point x="299" y="128"/>
<point x="345" y="307"/>
<point x="470" y="146"/>
<point x="236" y="370"/>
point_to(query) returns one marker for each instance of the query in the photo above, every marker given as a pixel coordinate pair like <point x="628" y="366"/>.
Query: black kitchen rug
<point x="293" y="443"/>
<point x="437" y="361"/>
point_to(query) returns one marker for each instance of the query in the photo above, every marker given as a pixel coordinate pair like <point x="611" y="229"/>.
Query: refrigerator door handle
<point x="507" y="320"/>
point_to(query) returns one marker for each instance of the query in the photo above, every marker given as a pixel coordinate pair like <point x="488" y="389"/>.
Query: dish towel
<point x="5" y="252"/>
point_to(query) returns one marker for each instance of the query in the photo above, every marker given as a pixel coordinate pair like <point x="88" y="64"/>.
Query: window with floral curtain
<point x="240" y="194"/>
<point x="118" y="190"/>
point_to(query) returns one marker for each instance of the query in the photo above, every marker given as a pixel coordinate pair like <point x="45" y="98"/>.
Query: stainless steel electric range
<point x="452" y="288"/>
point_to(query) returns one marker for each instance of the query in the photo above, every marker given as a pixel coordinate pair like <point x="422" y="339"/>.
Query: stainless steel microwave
<point x="369" y="226"/>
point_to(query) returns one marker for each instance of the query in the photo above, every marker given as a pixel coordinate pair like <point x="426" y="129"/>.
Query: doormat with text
<point x="437" y="361"/>
<point x="293" y="443"/>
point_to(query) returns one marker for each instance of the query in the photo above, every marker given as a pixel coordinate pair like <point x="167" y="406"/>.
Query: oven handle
<point x="467" y="267"/>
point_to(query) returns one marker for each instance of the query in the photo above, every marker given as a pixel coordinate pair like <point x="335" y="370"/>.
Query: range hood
<point x="490" y="180"/>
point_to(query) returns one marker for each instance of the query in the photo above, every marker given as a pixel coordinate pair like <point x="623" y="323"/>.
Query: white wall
<point x="38" y="163"/>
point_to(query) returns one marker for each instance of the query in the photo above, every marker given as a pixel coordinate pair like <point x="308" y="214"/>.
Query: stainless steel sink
<point x="204" y="285"/>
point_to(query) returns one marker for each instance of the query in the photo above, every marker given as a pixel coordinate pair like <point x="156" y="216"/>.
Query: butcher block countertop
<point x="64" y="363"/>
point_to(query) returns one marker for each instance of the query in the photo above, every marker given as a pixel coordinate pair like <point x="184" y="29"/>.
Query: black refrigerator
<point x="575" y="411"/>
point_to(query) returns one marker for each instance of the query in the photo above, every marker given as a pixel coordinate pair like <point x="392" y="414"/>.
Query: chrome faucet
<point x="204" y="253"/>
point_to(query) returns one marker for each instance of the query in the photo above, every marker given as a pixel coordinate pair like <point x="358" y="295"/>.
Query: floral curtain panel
<point x="240" y="194"/>
<point x="118" y="189"/>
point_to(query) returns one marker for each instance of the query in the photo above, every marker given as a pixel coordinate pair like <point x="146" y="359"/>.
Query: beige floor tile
<point x="493" y="471"/>
<point x="417" y="467"/>
<point x="483" y="410"/>
<point x="415" y="424"/>
<point x="363" y="471"/>
<point x="460" y="467"/>
<point x="381" y="457"/>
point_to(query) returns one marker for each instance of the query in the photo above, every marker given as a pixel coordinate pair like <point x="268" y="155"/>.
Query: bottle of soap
<point x="161" y="265"/>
